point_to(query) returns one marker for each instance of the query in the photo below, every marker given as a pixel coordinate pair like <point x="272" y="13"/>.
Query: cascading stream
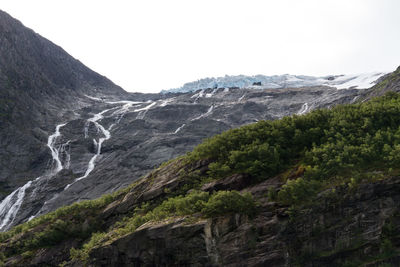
<point x="61" y="157"/>
<point x="119" y="112"/>
<point x="179" y="128"/>
<point x="55" y="152"/>
<point x="209" y="111"/>
<point x="96" y="117"/>
<point x="303" y="109"/>
<point x="10" y="206"/>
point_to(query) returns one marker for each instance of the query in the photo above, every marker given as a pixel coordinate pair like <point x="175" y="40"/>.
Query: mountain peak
<point x="30" y="62"/>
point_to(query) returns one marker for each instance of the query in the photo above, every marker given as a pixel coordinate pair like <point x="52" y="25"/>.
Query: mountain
<point x="109" y="144"/>
<point x="317" y="189"/>
<point x="360" y="81"/>
<point x="70" y="134"/>
<point x="40" y="84"/>
<point x="387" y="83"/>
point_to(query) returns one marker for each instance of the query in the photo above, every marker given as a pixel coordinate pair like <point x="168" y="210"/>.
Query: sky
<point x="147" y="46"/>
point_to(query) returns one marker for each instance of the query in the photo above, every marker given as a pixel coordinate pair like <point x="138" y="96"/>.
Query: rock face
<point x="40" y="84"/>
<point x="362" y="227"/>
<point x="345" y="228"/>
<point x="388" y="83"/>
<point x="140" y="135"/>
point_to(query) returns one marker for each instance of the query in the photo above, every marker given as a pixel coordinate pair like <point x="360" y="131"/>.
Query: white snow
<point x="359" y="81"/>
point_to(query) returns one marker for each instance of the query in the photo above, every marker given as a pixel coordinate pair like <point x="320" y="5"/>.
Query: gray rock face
<point x="40" y="85"/>
<point x="137" y="136"/>
<point x="340" y="229"/>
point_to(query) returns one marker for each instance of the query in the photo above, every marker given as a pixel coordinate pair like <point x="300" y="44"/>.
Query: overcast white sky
<point x="150" y="45"/>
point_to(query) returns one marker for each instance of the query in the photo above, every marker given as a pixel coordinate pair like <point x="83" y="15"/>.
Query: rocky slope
<point x="340" y="211"/>
<point x="40" y="84"/>
<point x="387" y="83"/>
<point x="348" y="228"/>
<point x="138" y="136"/>
<point x="55" y="112"/>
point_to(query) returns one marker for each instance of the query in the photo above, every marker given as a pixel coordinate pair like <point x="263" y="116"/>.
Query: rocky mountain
<point x="40" y="84"/>
<point x="69" y="134"/>
<point x="111" y="143"/>
<point x="317" y="189"/>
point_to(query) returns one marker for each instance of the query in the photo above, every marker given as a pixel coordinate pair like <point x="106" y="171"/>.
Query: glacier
<point x="355" y="81"/>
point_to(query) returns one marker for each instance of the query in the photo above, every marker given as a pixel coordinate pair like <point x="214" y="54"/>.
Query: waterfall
<point x="10" y="206"/>
<point x="303" y="109"/>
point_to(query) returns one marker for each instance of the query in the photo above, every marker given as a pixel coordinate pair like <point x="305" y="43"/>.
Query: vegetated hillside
<point x="321" y="189"/>
<point x="39" y="82"/>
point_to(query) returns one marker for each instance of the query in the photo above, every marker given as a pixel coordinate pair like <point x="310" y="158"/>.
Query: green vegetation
<point x="344" y="145"/>
<point x="196" y="202"/>
<point x="298" y="191"/>
<point x="77" y="221"/>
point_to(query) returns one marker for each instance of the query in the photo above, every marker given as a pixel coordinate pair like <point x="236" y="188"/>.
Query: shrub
<point x="224" y="202"/>
<point x="298" y="191"/>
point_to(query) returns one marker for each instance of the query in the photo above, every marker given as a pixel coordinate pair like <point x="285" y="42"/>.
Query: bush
<point x="219" y="203"/>
<point x="224" y="202"/>
<point x="335" y="145"/>
<point x="298" y="191"/>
